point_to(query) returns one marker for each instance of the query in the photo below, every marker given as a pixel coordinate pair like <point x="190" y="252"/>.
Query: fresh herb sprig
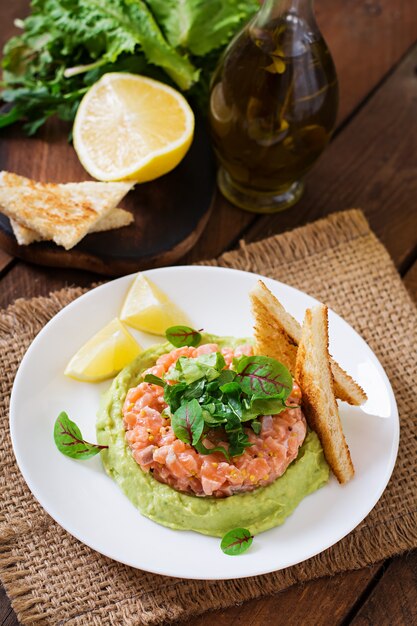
<point x="202" y="395"/>
<point x="181" y="336"/>
<point x="236" y="541"/>
<point x="69" y="440"/>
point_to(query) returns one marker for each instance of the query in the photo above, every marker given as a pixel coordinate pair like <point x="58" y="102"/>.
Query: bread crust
<point x="277" y="335"/>
<point x="63" y="213"/>
<point x="314" y="375"/>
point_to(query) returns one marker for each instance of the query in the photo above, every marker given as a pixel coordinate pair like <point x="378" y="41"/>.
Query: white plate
<point x="90" y="506"/>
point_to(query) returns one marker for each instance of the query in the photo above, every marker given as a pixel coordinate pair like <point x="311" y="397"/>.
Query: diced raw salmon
<point x="156" y="448"/>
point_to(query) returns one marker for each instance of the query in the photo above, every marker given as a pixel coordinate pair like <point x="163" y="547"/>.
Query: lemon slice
<point x="132" y="127"/>
<point x="104" y="355"/>
<point x="148" y="308"/>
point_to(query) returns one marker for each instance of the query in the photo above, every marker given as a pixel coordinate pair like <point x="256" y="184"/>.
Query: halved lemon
<point x="132" y="127"/>
<point x="104" y="355"/>
<point x="148" y="308"/>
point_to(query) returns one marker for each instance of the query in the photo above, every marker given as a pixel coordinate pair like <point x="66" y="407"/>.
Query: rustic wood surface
<point x="372" y="164"/>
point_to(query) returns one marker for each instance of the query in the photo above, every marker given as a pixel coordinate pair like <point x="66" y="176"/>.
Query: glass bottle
<point x="273" y="106"/>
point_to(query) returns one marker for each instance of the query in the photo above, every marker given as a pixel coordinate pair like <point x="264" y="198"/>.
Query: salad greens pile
<point x="202" y="395"/>
<point x="66" y="45"/>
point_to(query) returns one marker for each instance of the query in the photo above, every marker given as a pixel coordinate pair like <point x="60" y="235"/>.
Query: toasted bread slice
<point x="313" y="373"/>
<point x="116" y="218"/>
<point x="277" y="335"/>
<point x="63" y="213"/>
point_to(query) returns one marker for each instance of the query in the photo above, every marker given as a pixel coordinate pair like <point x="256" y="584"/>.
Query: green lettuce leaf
<point x="201" y="26"/>
<point x="66" y="45"/>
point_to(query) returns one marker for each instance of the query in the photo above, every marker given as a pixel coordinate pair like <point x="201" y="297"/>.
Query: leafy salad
<point x="66" y="45"/>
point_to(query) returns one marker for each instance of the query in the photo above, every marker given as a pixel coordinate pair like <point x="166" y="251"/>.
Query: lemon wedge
<point x="104" y="355"/>
<point x="132" y="127"/>
<point x="148" y="308"/>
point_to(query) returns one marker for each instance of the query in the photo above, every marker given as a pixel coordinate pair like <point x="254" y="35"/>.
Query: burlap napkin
<point x="53" y="579"/>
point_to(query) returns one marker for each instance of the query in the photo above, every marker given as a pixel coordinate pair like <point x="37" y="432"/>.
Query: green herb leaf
<point x="263" y="377"/>
<point x="256" y="426"/>
<point x="201" y="448"/>
<point x="188" y="370"/>
<point x="236" y="541"/>
<point x="226" y="376"/>
<point x="173" y="395"/>
<point x="231" y="388"/>
<point x="181" y="336"/>
<point x="154" y="380"/>
<point x="188" y="423"/>
<point x="238" y="441"/>
<point x="69" y="440"/>
<point x="263" y="406"/>
<point x="195" y="390"/>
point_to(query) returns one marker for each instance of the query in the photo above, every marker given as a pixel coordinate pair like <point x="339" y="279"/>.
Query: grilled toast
<point x="115" y="218"/>
<point x="278" y="334"/>
<point x="313" y="373"/>
<point x="63" y="213"/>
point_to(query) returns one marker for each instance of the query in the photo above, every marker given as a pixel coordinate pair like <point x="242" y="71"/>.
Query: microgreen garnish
<point x="69" y="440"/>
<point x="187" y="422"/>
<point x="181" y="336"/>
<point x="236" y="541"/>
<point x="205" y="396"/>
<point x="263" y="377"/>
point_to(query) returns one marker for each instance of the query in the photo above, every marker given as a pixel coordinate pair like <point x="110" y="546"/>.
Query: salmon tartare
<point x="269" y="449"/>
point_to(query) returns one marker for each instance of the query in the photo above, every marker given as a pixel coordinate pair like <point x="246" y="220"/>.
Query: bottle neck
<point x="275" y="9"/>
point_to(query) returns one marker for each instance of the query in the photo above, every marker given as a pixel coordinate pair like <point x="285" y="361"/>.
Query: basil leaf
<point x="263" y="376"/>
<point x="154" y="380"/>
<point x="69" y="440"/>
<point x="181" y="336"/>
<point x="188" y="423"/>
<point x="236" y="541"/>
<point x="201" y="448"/>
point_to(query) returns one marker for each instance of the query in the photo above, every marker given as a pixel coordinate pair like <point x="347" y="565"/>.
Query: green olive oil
<point x="273" y="107"/>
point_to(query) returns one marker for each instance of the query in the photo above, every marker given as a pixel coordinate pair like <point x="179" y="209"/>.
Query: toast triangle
<point x="115" y="218"/>
<point x="63" y="213"/>
<point x="277" y="335"/>
<point x="313" y="373"/>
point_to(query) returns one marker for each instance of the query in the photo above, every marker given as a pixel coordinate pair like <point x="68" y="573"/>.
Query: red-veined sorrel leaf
<point x="236" y="541"/>
<point x="188" y="423"/>
<point x="69" y="440"/>
<point x="263" y="377"/>
<point x="181" y="336"/>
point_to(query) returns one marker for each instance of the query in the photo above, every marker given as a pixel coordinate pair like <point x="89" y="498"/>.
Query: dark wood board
<point x="170" y="212"/>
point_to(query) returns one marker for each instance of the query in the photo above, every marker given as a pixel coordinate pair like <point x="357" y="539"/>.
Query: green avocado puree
<point x="257" y="511"/>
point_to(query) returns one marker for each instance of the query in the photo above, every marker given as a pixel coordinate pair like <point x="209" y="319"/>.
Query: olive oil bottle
<point x="273" y="106"/>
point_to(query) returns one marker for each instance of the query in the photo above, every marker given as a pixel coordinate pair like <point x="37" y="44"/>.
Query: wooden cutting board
<point x="170" y="212"/>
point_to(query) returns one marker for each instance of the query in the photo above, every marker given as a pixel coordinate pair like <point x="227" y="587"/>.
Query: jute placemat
<point x="53" y="579"/>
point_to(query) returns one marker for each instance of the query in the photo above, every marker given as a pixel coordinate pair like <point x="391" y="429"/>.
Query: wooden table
<point x="371" y="163"/>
